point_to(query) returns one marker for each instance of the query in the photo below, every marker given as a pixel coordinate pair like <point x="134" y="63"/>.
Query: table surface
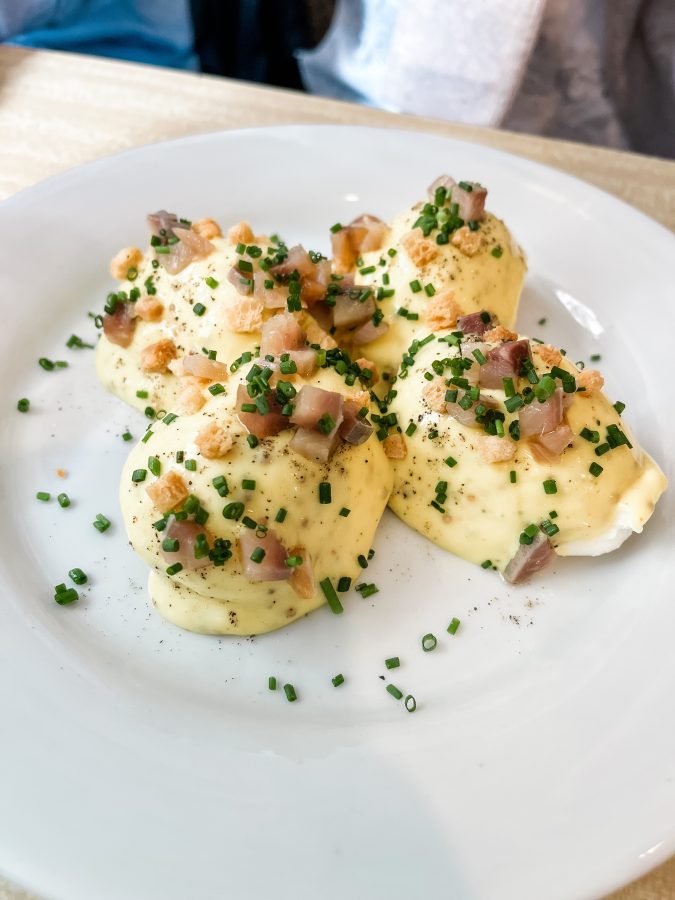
<point x="59" y="110"/>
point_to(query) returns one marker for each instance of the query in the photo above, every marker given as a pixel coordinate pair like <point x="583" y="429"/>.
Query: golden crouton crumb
<point x="156" y="357"/>
<point x="395" y="446"/>
<point x="442" y="311"/>
<point x="421" y="250"/>
<point x="168" y="491"/>
<point x="364" y="363"/>
<point x="314" y="332"/>
<point x="127" y="258"/>
<point x="302" y="579"/>
<point x="499" y="333"/>
<point x="240" y="234"/>
<point x="214" y="441"/>
<point x="548" y="354"/>
<point x="191" y="398"/>
<point x="61" y="473"/>
<point x="590" y="379"/>
<point x="360" y="397"/>
<point x="494" y="449"/>
<point x="468" y="241"/>
<point x="150" y="309"/>
<point x="434" y="394"/>
<point x="207" y="228"/>
<point x="245" y="315"/>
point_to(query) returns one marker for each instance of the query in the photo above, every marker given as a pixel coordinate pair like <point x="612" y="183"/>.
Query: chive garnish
<point x="513" y="476"/>
<point x="272" y="683"/>
<point x="325" y="492"/>
<point x="43" y="495"/>
<point x="142" y="395"/>
<point x="63" y="500"/>
<point x="429" y="642"/>
<point x="78" y="576"/>
<point x="170" y="545"/>
<point x="190" y="465"/>
<point x="199" y="309"/>
<point x="393" y="662"/>
<point x="595" y="469"/>
<point x="550" y="486"/>
<point x="337" y="680"/>
<point x="174" y="569"/>
<point x="100" y="523"/>
<point x="211" y="282"/>
<point x="289" y="690"/>
<point x="248" y="484"/>
<point x="410" y="703"/>
<point x="64" y="595"/>
<point x="23" y="405"/>
<point x="331" y="597"/>
<point x="453" y="626"/>
<point x="233" y="511"/>
<point x="127" y="436"/>
<point x="281" y="514"/>
<point x="394" y="691"/>
<point x="258" y="555"/>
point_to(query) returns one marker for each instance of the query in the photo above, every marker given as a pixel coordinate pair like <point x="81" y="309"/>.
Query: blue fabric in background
<point x="157" y="32"/>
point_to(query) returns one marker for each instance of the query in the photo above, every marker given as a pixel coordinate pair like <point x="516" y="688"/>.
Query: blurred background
<point x="596" y="71"/>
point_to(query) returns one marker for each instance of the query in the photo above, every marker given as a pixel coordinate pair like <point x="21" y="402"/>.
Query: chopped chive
<point x="410" y="703"/>
<point x="415" y="286"/>
<point x="46" y="364"/>
<point x="174" y="569"/>
<point x="595" y="357"/>
<point x="23" y="405"/>
<point x="331" y="597"/>
<point x="595" y="469"/>
<point x="211" y="282"/>
<point x="335" y="228"/>
<point x="65" y="595"/>
<point x="325" y="492"/>
<point x="393" y="662"/>
<point x="541" y="322"/>
<point x="289" y="690"/>
<point x="142" y="395"/>
<point x="429" y="642"/>
<point x="149" y="412"/>
<point x="216" y="389"/>
<point x="100" y="523"/>
<point x="367" y="590"/>
<point x="513" y="476"/>
<point x="362" y="561"/>
<point x="337" y="680"/>
<point x="619" y="406"/>
<point x="252" y="441"/>
<point x="453" y="626"/>
<point x="592" y="436"/>
<point x="281" y="514"/>
<point x="344" y="583"/>
<point x="248" y="522"/>
<point x="248" y="484"/>
<point x="43" y="495"/>
<point x="138" y="475"/>
<point x="170" y="545"/>
<point x="190" y="465"/>
<point x="367" y="270"/>
<point x="450" y="461"/>
<point x="63" y="500"/>
<point x="146" y="437"/>
<point x="411" y="429"/>
<point x="127" y="436"/>
<point x="394" y="691"/>
<point x="78" y="576"/>
<point x="233" y="511"/>
<point x="550" y="486"/>
<point x="486" y="564"/>
<point x="154" y="465"/>
<point x="293" y="561"/>
<point x="199" y="309"/>
<point x="258" y="555"/>
<point x="496" y="252"/>
<point x="272" y="683"/>
<point x="344" y="512"/>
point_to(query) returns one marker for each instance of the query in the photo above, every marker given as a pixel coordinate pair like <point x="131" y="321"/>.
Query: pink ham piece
<point x="313" y="288"/>
<point x="162" y="223"/>
<point x="529" y="559"/>
<point x="119" y="326"/>
<point x="190" y="246"/>
<point x="350" y="311"/>
<point x="273" y="565"/>
<point x="298" y="260"/>
<point x="471" y="202"/>
<point x="537" y="418"/>
<point x="274" y="297"/>
<point x="311" y="403"/>
<point x="475" y="323"/>
<point x="549" y="446"/>
<point x="365" y="233"/>
<point x="369" y="332"/>
<point x="240" y="281"/>
<point x="354" y="430"/>
<point x="261" y="426"/>
<point x="305" y="361"/>
<point x="503" y="361"/>
<point x="201" y="366"/>
<point x="311" y="444"/>
<point x="281" y="334"/>
<point x="185" y="532"/>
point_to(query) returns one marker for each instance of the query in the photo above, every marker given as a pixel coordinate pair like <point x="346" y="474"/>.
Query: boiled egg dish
<point x="292" y="396"/>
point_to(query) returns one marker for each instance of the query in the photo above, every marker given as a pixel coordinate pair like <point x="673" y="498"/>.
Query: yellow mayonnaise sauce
<point x="221" y="600"/>
<point x="479" y="282"/>
<point x="485" y="512"/>
<point x="119" y="368"/>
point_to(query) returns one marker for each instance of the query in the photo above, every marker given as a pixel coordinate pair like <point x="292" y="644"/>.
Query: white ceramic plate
<point x="139" y="761"/>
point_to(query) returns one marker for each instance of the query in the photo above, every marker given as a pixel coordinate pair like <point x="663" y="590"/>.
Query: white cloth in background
<point x="600" y="71"/>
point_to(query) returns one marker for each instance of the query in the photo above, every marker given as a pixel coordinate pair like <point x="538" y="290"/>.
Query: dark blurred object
<point x="256" y="40"/>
